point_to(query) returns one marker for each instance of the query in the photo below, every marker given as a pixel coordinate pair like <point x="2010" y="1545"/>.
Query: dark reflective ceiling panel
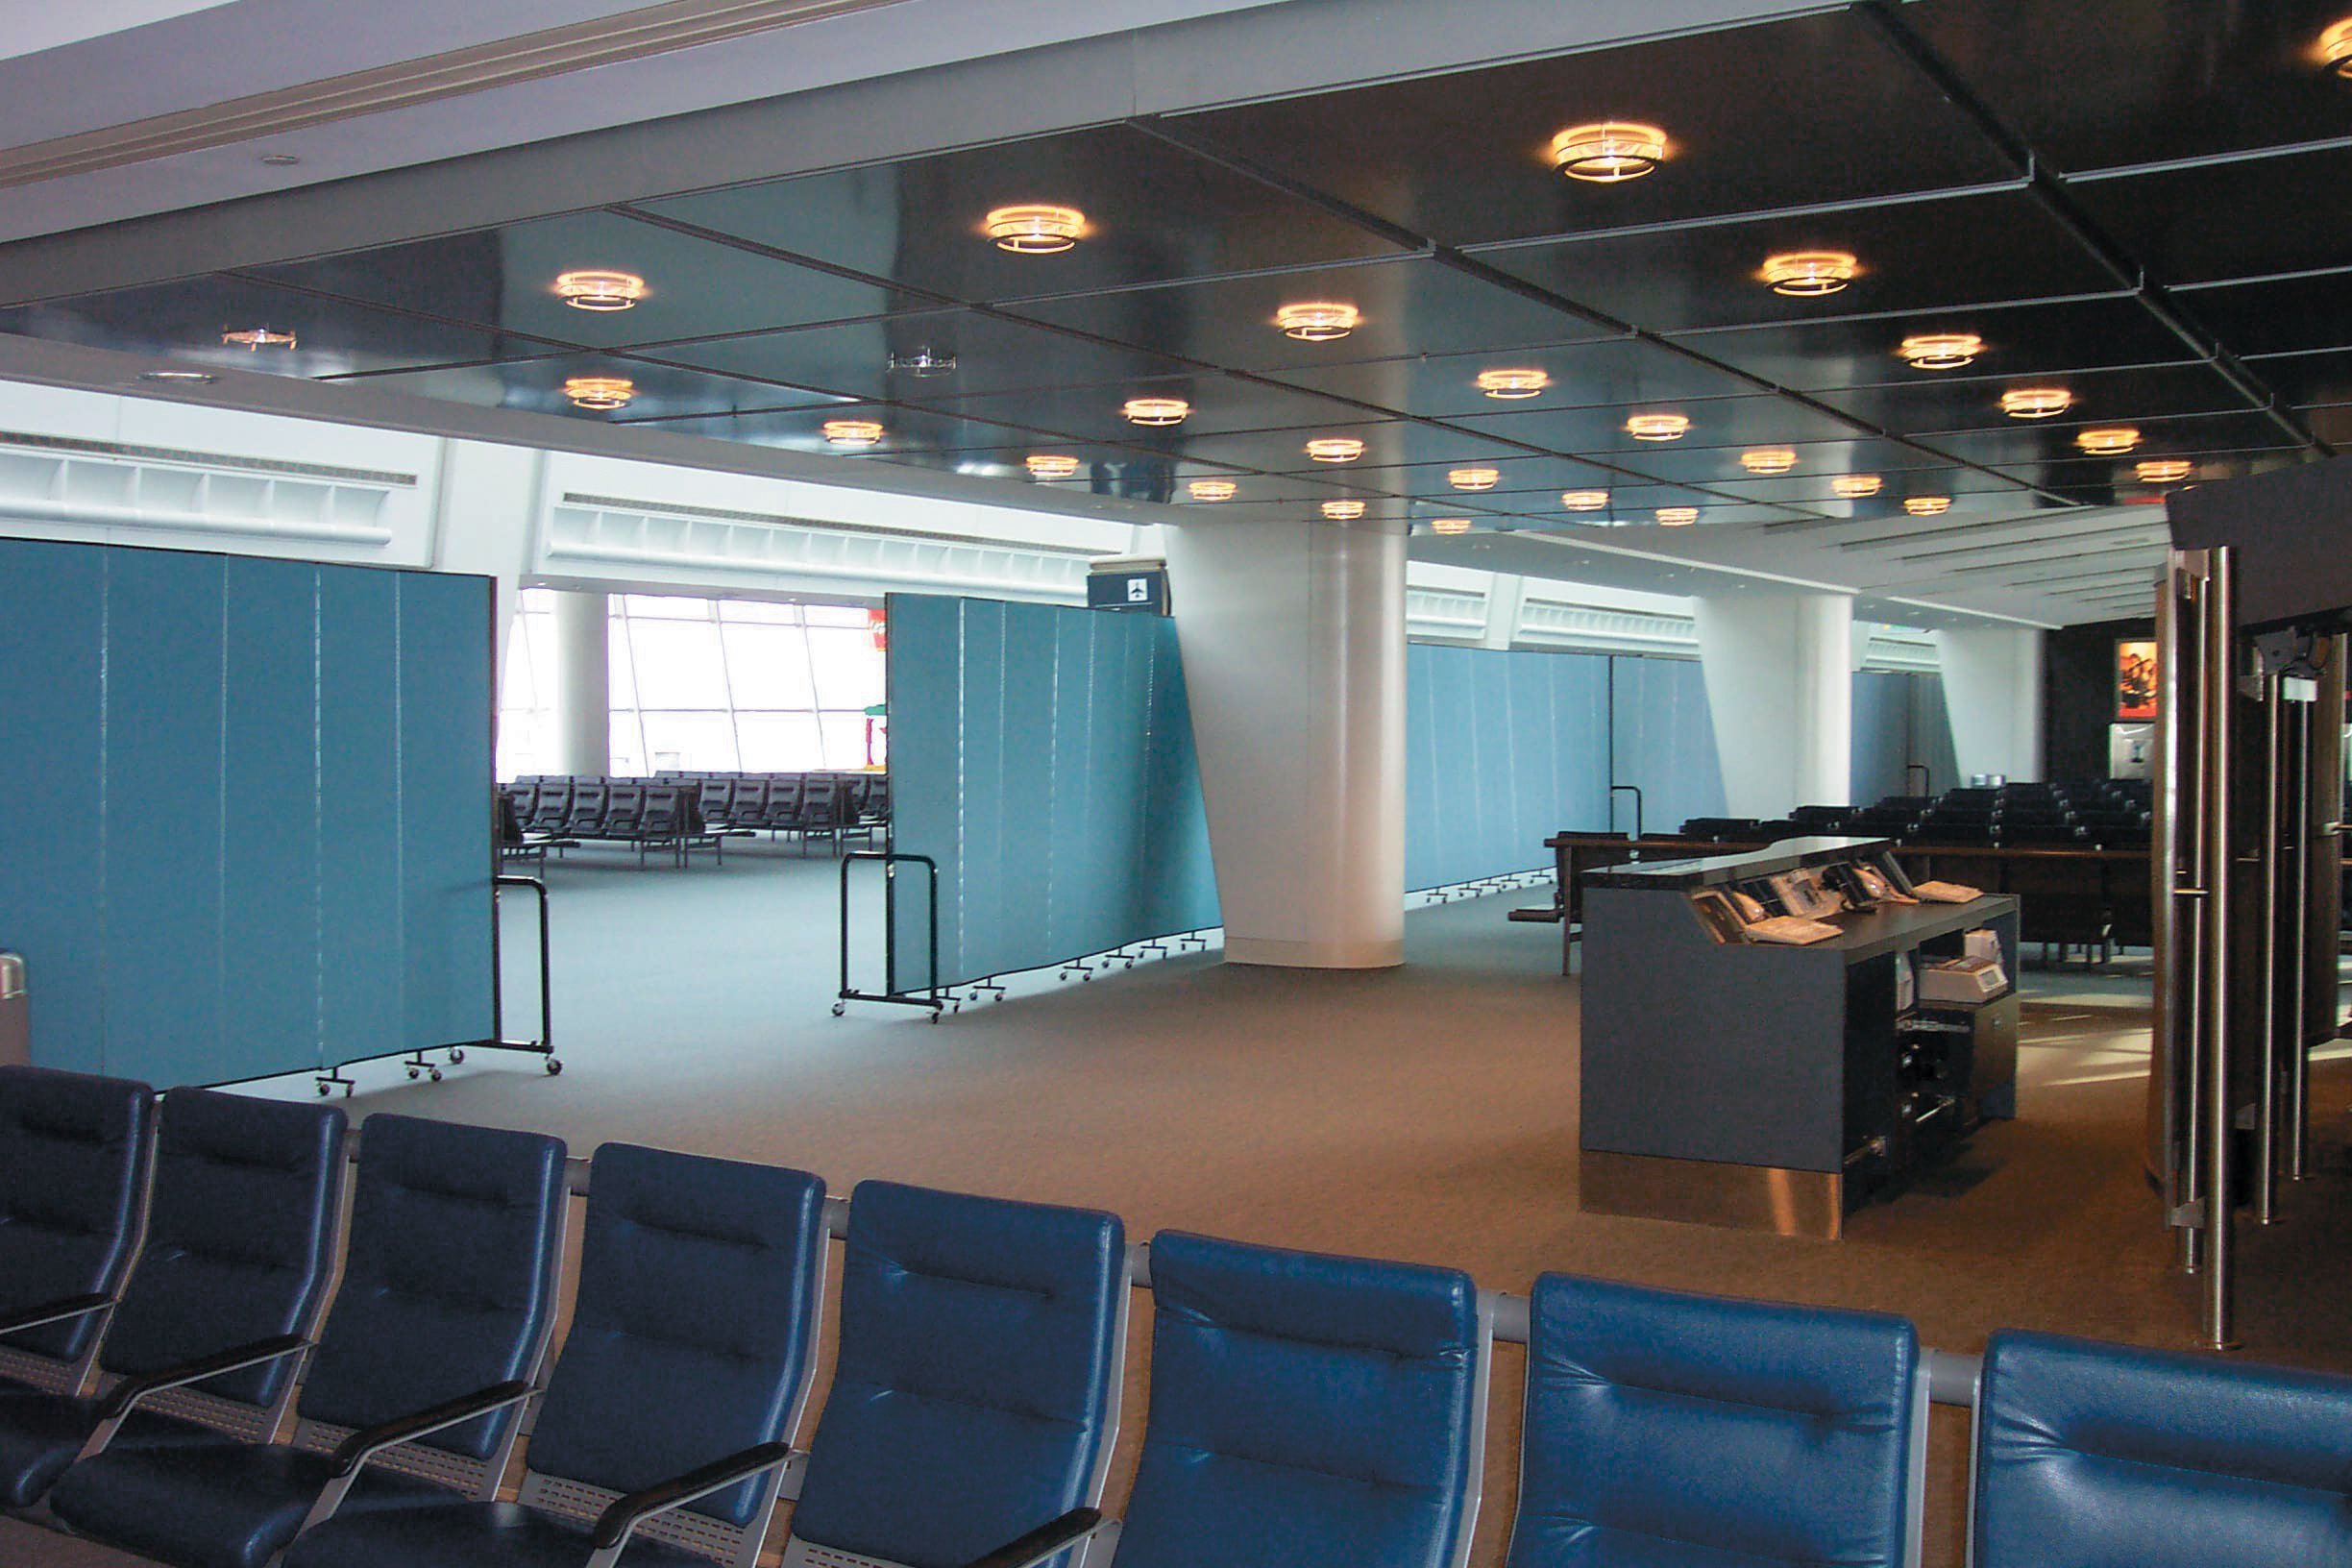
<point x="506" y="277"/>
<point x="1388" y="444"/>
<point x="1409" y="306"/>
<point x="186" y="321"/>
<point x="2099" y="482"/>
<point x="2019" y="340"/>
<point x="1715" y="422"/>
<point x="1516" y="477"/>
<point x="908" y="434"/>
<point x="1964" y="401"/>
<point x="991" y="355"/>
<point x="2285" y="316"/>
<point x="1586" y="375"/>
<point x="1219" y="404"/>
<point x="1816" y="461"/>
<point x="2305" y="379"/>
<point x="2136" y="80"/>
<point x="2242" y="219"/>
<point x="1914" y="257"/>
<point x="1153" y="214"/>
<point x="1808" y="110"/>
<point x="2044" y="442"/>
<point x="2333" y="425"/>
<point x="537" y="386"/>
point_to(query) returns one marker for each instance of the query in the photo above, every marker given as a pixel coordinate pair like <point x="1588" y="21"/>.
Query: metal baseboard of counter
<point x="1801" y="1203"/>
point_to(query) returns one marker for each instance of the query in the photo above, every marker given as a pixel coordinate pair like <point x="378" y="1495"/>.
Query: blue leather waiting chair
<point x="1668" y="1429"/>
<point x="2101" y="1456"/>
<point x="1306" y="1410"/>
<point x="976" y="1393"/>
<point x="440" y="1325"/>
<point x="242" y="1233"/>
<point x="663" y="1436"/>
<point x="75" y="1156"/>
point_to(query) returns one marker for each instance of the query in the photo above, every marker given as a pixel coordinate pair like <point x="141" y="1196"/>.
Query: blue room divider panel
<point x="1043" y="757"/>
<point x="1899" y="718"/>
<point x="1502" y="749"/>
<point x="1664" y="741"/>
<point x="247" y="829"/>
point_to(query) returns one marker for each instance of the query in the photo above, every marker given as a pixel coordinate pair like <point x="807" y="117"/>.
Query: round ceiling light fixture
<point x="2335" y="47"/>
<point x="178" y="377"/>
<point x="2110" y="442"/>
<point x="1941" y="351"/>
<point x="852" y="433"/>
<point x="1608" y="152"/>
<point x="256" y="338"/>
<point x="1855" y="486"/>
<point x="1512" y="384"/>
<point x="1035" y="229"/>
<point x="2036" y="402"/>
<point x="1811" y="274"/>
<point x="599" y="392"/>
<point x="1343" y="511"/>
<point x="1051" y="465"/>
<point x="1317" y="320"/>
<point x="1449" y="525"/>
<point x="1473" y="478"/>
<point x="1584" y="501"/>
<point x="2164" y="470"/>
<point x="1927" y="505"/>
<point x="1334" y="448"/>
<point x="1658" y="426"/>
<point x="1677" y="517"/>
<point x="594" y="289"/>
<point x="1213" y="489"/>
<point x="1155" y="410"/>
<point x="1767" y="461"/>
<point x="923" y="363"/>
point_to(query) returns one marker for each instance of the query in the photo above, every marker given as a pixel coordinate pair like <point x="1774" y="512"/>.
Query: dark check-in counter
<point x="1734" y="1082"/>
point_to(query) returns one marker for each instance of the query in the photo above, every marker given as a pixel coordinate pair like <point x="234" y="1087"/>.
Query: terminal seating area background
<point x="247" y="813"/>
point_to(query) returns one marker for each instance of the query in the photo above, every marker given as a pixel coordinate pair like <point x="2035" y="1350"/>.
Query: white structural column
<point x="484" y="518"/>
<point x="1506" y="595"/>
<point x="1779" y="684"/>
<point x="1293" y="637"/>
<point x="583" y="683"/>
<point x="1993" y="690"/>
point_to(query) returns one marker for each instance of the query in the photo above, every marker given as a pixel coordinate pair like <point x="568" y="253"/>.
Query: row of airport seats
<point x="169" y="1300"/>
<point x="538" y="814"/>
<point x="2104" y="815"/>
<point x="838" y="803"/>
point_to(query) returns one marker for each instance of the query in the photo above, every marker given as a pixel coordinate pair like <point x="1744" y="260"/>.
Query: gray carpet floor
<point x="1428" y="1112"/>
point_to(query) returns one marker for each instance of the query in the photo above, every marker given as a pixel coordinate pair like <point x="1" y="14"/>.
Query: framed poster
<point x="2135" y="681"/>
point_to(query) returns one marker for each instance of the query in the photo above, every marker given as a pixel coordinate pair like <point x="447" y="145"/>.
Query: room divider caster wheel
<point x="347" y="1088"/>
<point x="555" y="1067"/>
<point x="839" y="1007"/>
<point x="412" y="1072"/>
<point x="935" y="1016"/>
<point x="325" y="1089"/>
<point x="456" y="1054"/>
<point x="436" y="1073"/>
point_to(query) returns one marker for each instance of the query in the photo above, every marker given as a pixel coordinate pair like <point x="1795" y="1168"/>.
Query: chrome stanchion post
<point x="2298" y="1035"/>
<point x="2266" y="953"/>
<point x="2176" y="869"/>
<point x="2218" y="635"/>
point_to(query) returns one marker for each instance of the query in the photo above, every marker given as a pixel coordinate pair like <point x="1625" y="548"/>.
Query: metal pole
<point x="2220" y="1261"/>
<point x="2298" y="1040"/>
<point x="2266" y="954"/>
<point x="2178" y="868"/>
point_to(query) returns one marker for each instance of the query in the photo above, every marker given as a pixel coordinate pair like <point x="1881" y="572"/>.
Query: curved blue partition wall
<point x="1043" y="757"/>
<point x="1501" y="751"/>
<point x="244" y="826"/>
<point x="1662" y="740"/>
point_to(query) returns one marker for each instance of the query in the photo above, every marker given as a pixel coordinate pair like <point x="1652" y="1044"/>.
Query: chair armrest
<point x="624" y="1513"/>
<point x="1044" y="1541"/>
<point x="130" y="1391"/>
<point x="364" y="1444"/>
<point x="54" y="1311"/>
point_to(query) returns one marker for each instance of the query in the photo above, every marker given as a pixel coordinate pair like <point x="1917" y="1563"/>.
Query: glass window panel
<point x="768" y="667"/>
<point x="627" y="748"/>
<point x="847" y="665"/>
<point x="845" y="739"/>
<point x="678" y="664"/>
<point x="835" y="615"/>
<point x="779" y="742"/>
<point x="665" y="607"/>
<point x="518" y="690"/>
<point x="759" y="609"/>
<point x="689" y="740"/>
<point x="619" y="671"/>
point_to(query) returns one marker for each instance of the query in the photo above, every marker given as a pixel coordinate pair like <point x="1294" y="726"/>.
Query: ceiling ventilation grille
<point x="1548" y="623"/>
<point x="109" y="484"/>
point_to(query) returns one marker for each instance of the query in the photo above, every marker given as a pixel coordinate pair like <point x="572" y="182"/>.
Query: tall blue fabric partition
<point x="1043" y="758"/>
<point x="1501" y="750"/>
<point x="1899" y="720"/>
<point x="1662" y="737"/>
<point x="243" y="809"/>
<point x="1931" y="732"/>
